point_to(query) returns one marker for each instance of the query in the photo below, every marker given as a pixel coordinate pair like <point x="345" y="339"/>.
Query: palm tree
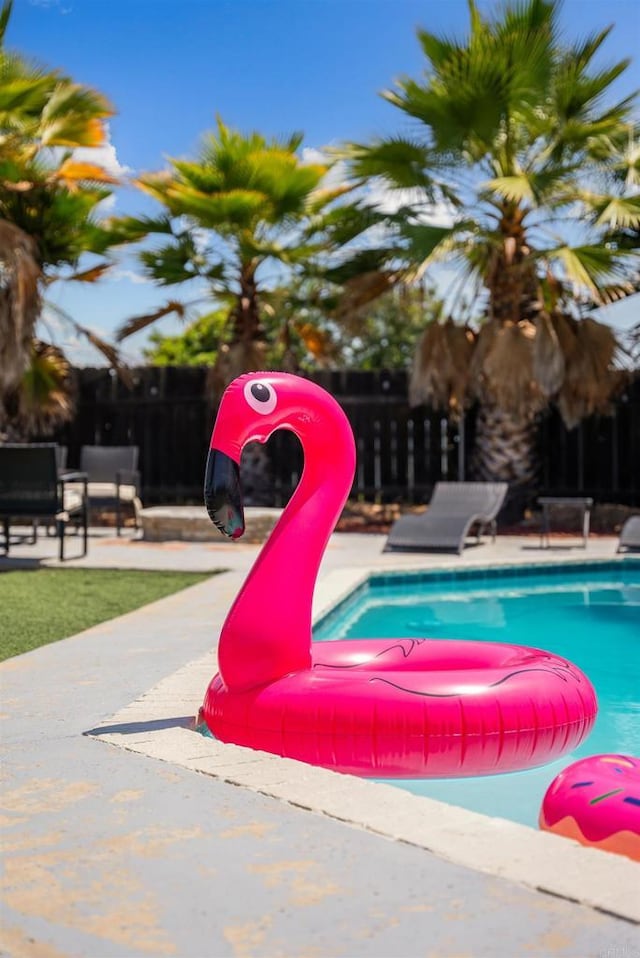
<point x="239" y="217"/>
<point x="517" y="146"/>
<point x="48" y="220"/>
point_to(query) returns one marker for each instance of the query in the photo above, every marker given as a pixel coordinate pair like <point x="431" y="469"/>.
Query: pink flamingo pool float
<point x="380" y="707"/>
<point x="596" y="801"/>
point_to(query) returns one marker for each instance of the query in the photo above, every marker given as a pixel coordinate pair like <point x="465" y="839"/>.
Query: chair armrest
<point x="128" y="477"/>
<point x="73" y="477"/>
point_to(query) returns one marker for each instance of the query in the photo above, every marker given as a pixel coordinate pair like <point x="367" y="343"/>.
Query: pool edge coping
<point x="495" y="847"/>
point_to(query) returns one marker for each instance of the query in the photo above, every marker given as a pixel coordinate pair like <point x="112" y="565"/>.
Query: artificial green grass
<point x="45" y="605"/>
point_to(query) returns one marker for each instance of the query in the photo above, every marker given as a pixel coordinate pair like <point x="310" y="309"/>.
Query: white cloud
<point x="310" y="154"/>
<point x="104" y="156"/>
<point x="128" y="274"/>
<point x="338" y="172"/>
<point x="47" y="4"/>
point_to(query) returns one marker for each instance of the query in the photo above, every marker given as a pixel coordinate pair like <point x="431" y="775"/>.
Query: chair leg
<point x="60" y="533"/>
<point x="85" y="524"/>
<point x="118" y="516"/>
<point x="6" y="524"/>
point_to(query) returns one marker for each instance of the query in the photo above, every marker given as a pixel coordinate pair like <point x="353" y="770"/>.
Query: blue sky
<point x="168" y="66"/>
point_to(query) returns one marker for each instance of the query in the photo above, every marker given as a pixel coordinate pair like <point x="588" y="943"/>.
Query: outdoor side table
<point x="581" y="503"/>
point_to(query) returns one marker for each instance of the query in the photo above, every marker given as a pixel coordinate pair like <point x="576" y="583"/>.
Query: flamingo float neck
<point x="257" y="648"/>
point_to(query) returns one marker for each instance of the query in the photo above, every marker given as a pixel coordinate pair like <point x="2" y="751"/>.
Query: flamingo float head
<point x="252" y="408"/>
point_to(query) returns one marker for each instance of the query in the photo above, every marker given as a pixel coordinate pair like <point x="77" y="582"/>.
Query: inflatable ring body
<point x="596" y="801"/>
<point x="382" y="707"/>
<point x="413" y="708"/>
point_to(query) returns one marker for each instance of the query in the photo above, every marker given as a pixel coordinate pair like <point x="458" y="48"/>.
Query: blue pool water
<point x="589" y="614"/>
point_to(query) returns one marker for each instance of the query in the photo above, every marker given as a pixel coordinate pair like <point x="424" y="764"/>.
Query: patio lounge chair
<point x="630" y="534"/>
<point x="31" y="490"/>
<point x="113" y="478"/>
<point x="454" y="508"/>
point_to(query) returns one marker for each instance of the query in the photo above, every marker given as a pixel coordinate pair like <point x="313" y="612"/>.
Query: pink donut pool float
<point x="596" y="801"/>
<point x="402" y="708"/>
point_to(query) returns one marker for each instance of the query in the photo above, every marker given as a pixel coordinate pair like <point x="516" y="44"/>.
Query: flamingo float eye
<point x="261" y="396"/>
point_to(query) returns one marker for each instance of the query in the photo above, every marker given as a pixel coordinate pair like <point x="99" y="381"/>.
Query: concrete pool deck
<point x="172" y="843"/>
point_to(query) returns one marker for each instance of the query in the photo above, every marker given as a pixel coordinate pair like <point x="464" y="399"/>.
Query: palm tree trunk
<point x="247" y="350"/>
<point x="20" y="276"/>
<point x="512" y="281"/>
<point x="246" y="353"/>
<point x="505" y="451"/>
<point x="505" y="446"/>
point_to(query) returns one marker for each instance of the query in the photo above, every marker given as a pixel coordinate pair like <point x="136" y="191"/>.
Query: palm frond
<point x="206" y="179"/>
<point x="592" y="372"/>
<point x="136" y="323"/>
<point x="362" y="289"/>
<point x="629" y="163"/>
<point x="618" y="211"/>
<point x="437" y="50"/>
<point x="440" y="370"/>
<point x="589" y="267"/>
<point x="91" y="275"/>
<point x="476" y="88"/>
<point x="109" y="351"/>
<point x="238" y="207"/>
<point x="424" y="242"/>
<point x="130" y="229"/>
<point x="320" y="198"/>
<point x="614" y="292"/>
<point x="73" y="116"/>
<point x="549" y="360"/>
<point x="345" y="223"/>
<point x="46" y="397"/>
<point x="176" y="262"/>
<point x="5" y="13"/>
<point x="361" y="263"/>
<point x="502" y="369"/>
<point x="516" y="189"/>
<point x="403" y="163"/>
<point x="72" y="172"/>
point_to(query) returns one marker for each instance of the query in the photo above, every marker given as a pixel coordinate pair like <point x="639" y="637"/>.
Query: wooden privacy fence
<point x="402" y="452"/>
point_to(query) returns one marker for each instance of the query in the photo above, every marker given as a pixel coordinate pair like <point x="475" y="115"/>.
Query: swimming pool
<point x="588" y="612"/>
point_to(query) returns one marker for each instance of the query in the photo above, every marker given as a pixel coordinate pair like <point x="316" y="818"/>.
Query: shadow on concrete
<point x="555" y="547"/>
<point x="134" y="728"/>
<point x="9" y="563"/>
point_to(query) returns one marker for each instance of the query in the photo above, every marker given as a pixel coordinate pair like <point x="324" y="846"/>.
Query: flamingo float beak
<point x="223" y="494"/>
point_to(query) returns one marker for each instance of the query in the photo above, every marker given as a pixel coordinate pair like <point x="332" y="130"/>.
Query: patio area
<point x="127" y="834"/>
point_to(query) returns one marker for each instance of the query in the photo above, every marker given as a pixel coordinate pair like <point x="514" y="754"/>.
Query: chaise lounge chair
<point x="630" y="534"/>
<point x="454" y="508"/>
